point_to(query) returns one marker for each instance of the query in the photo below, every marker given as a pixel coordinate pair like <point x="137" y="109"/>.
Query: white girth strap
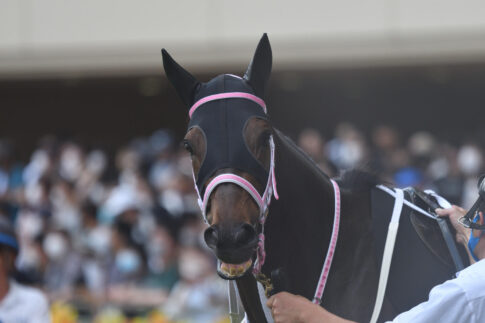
<point x="388" y="251"/>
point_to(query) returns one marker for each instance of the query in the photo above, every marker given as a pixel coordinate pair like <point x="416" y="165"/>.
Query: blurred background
<point x="91" y="170"/>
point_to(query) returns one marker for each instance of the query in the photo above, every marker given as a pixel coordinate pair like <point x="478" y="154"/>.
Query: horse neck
<point x="299" y="181"/>
<point x="299" y="224"/>
<point x="298" y="231"/>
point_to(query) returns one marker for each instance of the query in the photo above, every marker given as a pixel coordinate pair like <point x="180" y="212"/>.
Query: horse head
<point x="229" y="137"/>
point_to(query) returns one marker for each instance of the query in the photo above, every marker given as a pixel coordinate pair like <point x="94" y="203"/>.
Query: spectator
<point x="18" y="303"/>
<point x="199" y="295"/>
<point x="313" y="144"/>
<point x="348" y="148"/>
<point x="63" y="269"/>
<point x="127" y="263"/>
<point x="162" y="252"/>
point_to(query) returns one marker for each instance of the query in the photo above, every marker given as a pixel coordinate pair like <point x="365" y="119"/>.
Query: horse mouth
<point x="233" y="271"/>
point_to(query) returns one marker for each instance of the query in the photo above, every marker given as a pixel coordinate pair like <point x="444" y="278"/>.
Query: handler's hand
<point x="454" y="213"/>
<point x="289" y="308"/>
<point x="286" y="307"/>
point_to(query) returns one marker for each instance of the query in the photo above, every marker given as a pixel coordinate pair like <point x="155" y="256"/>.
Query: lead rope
<point x="331" y="248"/>
<point x="234" y="314"/>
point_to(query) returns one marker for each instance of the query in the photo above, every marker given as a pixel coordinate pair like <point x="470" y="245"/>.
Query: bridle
<point x="263" y="201"/>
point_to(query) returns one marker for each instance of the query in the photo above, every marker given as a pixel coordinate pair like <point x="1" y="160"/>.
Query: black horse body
<point x="299" y="224"/>
<point x="298" y="230"/>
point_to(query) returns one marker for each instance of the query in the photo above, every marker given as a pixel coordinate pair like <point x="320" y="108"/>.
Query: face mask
<point x="71" y="164"/>
<point x="226" y="147"/>
<point x="220" y="108"/>
<point x="99" y="241"/>
<point x="55" y="246"/>
<point x="172" y="200"/>
<point x="193" y="267"/>
<point x="127" y="261"/>
<point x="34" y="194"/>
<point x="96" y="161"/>
<point x="30" y="224"/>
<point x="469" y="160"/>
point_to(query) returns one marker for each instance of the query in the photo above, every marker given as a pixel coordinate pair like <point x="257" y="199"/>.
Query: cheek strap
<point x="262" y="201"/>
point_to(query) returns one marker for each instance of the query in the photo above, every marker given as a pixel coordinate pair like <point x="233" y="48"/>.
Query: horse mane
<point x="301" y="155"/>
<point x="359" y="179"/>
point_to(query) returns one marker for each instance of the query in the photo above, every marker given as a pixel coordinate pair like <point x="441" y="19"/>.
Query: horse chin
<point x="233" y="271"/>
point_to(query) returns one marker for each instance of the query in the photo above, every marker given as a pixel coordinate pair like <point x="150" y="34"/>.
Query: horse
<point x="271" y="212"/>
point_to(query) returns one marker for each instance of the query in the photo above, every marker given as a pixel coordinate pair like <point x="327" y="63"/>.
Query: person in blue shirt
<point x="18" y="303"/>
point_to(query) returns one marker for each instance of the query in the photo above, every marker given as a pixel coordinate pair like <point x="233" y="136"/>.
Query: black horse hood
<point x="223" y="123"/>
<point x="223" y="120"/>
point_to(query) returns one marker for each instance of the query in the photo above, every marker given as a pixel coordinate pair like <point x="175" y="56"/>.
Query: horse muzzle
<point x="234" y="247"/>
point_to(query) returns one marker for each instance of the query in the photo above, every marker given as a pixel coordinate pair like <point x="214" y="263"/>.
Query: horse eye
<point x="187" y="146"/>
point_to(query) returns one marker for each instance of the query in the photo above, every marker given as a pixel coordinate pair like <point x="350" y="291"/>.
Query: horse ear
<point x="183" y="81"/>
<point x="260" y="67"/>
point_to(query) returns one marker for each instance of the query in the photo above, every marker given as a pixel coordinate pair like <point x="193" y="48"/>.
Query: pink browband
<point x="331" y="248"/>
<point x="228" y="95"/>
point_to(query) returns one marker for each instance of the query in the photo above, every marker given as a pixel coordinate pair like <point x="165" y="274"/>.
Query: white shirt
<point x="24" y="304"/>
<point x="457" y="300"/>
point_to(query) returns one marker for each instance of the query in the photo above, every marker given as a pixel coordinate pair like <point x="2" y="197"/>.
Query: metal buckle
<point x="464" y="221"/>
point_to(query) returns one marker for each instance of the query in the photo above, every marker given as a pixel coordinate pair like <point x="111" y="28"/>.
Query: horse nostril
<point x="211" y="237"/>
<point x="245" y="235"/>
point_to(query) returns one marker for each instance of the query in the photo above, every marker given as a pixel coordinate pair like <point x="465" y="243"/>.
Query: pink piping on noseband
<point x="331" y="248"/>
<point x="228" y="95"/>
<point x="232" y="178"/>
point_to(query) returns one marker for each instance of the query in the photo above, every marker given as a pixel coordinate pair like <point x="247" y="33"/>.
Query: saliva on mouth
<point x="233" y="271"/>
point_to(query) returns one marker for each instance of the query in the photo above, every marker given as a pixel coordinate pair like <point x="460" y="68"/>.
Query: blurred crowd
<point x="421" y="160"/>
<point x="121" y="236"/>
<point x="112" y="236"/>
